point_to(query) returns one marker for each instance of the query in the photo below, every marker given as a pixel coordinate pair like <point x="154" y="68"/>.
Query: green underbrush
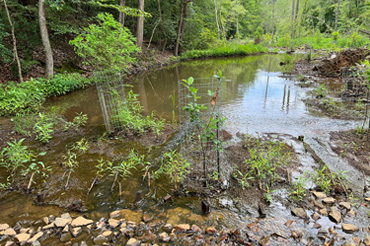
<point x="228" y="49"/>
<point x="29" y="96"/>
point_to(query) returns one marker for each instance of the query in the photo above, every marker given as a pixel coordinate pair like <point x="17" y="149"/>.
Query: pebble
<point x="182" y="228"/>
<point x="345" y="205"/>
<point x="22" y="237"/>
<point x="113" y="223"/>
<point x="319" y="195"/>
<point x="99" y="240"/>
<point x="49" y="226"/>
<point x="316" y="225"/>
<point x="211" y="231"/>
<point x="315" y="217"/>
<point x="300" y="212"/>
<point x="9" y="232"/>
<point x="76" y="231"/>
<point x="349" y="228"/>
<point x="367" y="240"/>
<point x="323" y="212"/>
<point x="107" y="233"/>
<point x="133" y="242"/>
<point x="65" y="237"/>
<point x="3" y="227"/>
<point x="36" y="237"/>
<point x="60" y="222"/>
<point x="164" y="237"/>
<point x="81" y="221"/>
<point x="329" y="200"/>
<point x="196" y="228"/>
<point x="167" y="227"/>
<point x="335" y="214"/>
<point x="319" y="205"/>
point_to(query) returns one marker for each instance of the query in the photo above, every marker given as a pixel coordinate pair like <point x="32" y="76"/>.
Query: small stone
<point x="22" y="237"/>
<point x="66" y="216"/>
<point x="65" y="237"/>
<point x="99" y="240"/>
<point x="351" y="213"/>
<point x="319" y="205"/>
<point x="335" y="214"/>
<point x="59" y="222"/>
<point x="345" y="205"/>
<point x="115" y="214"/>
<point x="211" y="231"/>
<point x="367" y="240"/>
<point x="9" y="243"/>
<point x="167" y="198"/>
<point x="107" y="233"/>
<point x="81" y="221"/>
<point x="316" y="226"/>
<point x="356" y="240"/>
<point x="300" y="212"/>
<point x="196" y="228"/>
<point x="288" y="223"/>
<point x="347" y="243"/>
<point x="9" y="232"/>
<point x="315" y="217"/>
<point x="36" y="237"/>
<point x="167" y="227"/>
<point x="133" y="242"/>
<point x="332" y="231"/>
<point x="83" y="243"/>
<point x="113" y="223"/>
<point x="323" y="212"/>
<point x="49" y="226"/>
<point x="76" y="231"/>
<point x="65" y="229"/>
<point x="319" y="195"/>
<point x="147" y="218"/>
<point x="35" y="243"/>
<point x="349" y="228"/>
<point x="3" y="227"/>
<point x="164" y="237"/>
<point x="367" y="199"/>
<point x="45" y="220"/>
<point x="182" y="228"/>
<point x="329" y="200"/>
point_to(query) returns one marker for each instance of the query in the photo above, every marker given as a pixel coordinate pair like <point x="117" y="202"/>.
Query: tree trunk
<point x="216" y="15"/>
<point x="296" y="10"/>
<point x="292" y="24"/>
<point x="46" y="40"/>
<point x="140" y="25"/>
<point x="222" y="24"/>
<point x="336" y="16"/>
<point x="15" y="50"/>
<point x="237" y="21"/>
<point x="121" y="17"/>
<point x="181" y="27"/>
<point x="273" y="21"/>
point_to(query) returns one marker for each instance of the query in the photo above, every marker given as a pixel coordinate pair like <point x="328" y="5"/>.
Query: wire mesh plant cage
<point x="112" y="97"/>
<point x="353" y="84"/>
<point x="206" y="157"/>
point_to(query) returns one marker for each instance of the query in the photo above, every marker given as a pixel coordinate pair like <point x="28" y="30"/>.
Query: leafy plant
<point x="299" y="188"/>
<point x="107" y="45"/>
<point x="327" y="180"/>
<point x="321" y="91"/>
<point x="174" y="166"/>
<point x="44" y="128"/>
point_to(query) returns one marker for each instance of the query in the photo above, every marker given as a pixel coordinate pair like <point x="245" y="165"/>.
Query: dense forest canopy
<point x="180" y="25"/>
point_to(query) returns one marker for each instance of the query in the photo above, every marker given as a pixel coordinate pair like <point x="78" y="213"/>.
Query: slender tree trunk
<point x="46" y="40"/>
<point x="273" y="21"/>
<point x="296" y="17"/>
<point x="292" y="24"/>
<point x="222" y="24"/>
<point x="159" y="22"/>
<point x="216" y="15"/>
<point x="336" y="16"/>
<point x="140" y="25"/>
<point x="122" y="15"/>
<point x="15" y="50"/>
<point x="237" y="21"/>
<point x="181" y="27"/>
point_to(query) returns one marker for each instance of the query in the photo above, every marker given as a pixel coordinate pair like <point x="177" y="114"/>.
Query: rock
<point x="9" y="243"/>
<point x="45" y="220"/>
<point x="65" y="229"/>
<point x="211" y="231"/>
<point x="36" y="243"/>
<point x="9" y="232"/>
<point x="22" y="238"/>
<point x="23" y="230"/>
<point x="66" y="216"/>
<point x="147" y="218"/>
<point x="349" y="228"/>
<point x="367" y="240"/>
<point x="356" y="240"/>
<point x="167" y="198"/>
<point x="49" y="226"/>
<point x="316" y="226"/>
<point x="133" y="242"/>
<point x="60" y="222"/>
<point x="205" y="206"/>
<point x="332" y="231"/>
<point x="351" y="213"/>
<point x="319" y="205"/>
<point x="300" y="212"/>
<point x="288" y="223"/>
<point x="164" y="237"/>
<point x="345" y="205"/>
<point x="182" y="228"/>
<point x="81" y="221"/>
<point x="107" y="233"/>
<point x="83" y="243"/>
<point x="329" y="201"/>
<point x="36" y="237"/>
<point x="347" y="243"/>
<point x="367" y="199"/>
<point x="113" y="223"/>
<point x="335" y="214"/>
<point x="127" y="215"/>
<point x="3" y="227"/>
<point x="76" y="231"/>
<point x="323" y="212"/>
<point x="99" y="240"/>
<point x="315" y="217"/>
<point x="319" y="195"/>
<point x="65" y="237"/>
<point x="196" y="229"/>
<point x="167" y="228"/>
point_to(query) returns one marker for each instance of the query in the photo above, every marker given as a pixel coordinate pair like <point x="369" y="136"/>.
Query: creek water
<point x="256" y="99"/>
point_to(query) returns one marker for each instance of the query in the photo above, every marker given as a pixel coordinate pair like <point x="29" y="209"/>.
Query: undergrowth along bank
<point x="30" y="95"/>
<point x="224" y="50"/>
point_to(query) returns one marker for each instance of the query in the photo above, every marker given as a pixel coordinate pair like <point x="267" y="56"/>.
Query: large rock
<point x="300" y="212"/>
<point x="81" y="221"/>
<point x="349" y="228"/>
<point x="335" y="214"/>
<point x="22" y="238"/>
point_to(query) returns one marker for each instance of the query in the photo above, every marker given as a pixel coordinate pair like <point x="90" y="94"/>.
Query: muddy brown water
<point x="257" y="99"/>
